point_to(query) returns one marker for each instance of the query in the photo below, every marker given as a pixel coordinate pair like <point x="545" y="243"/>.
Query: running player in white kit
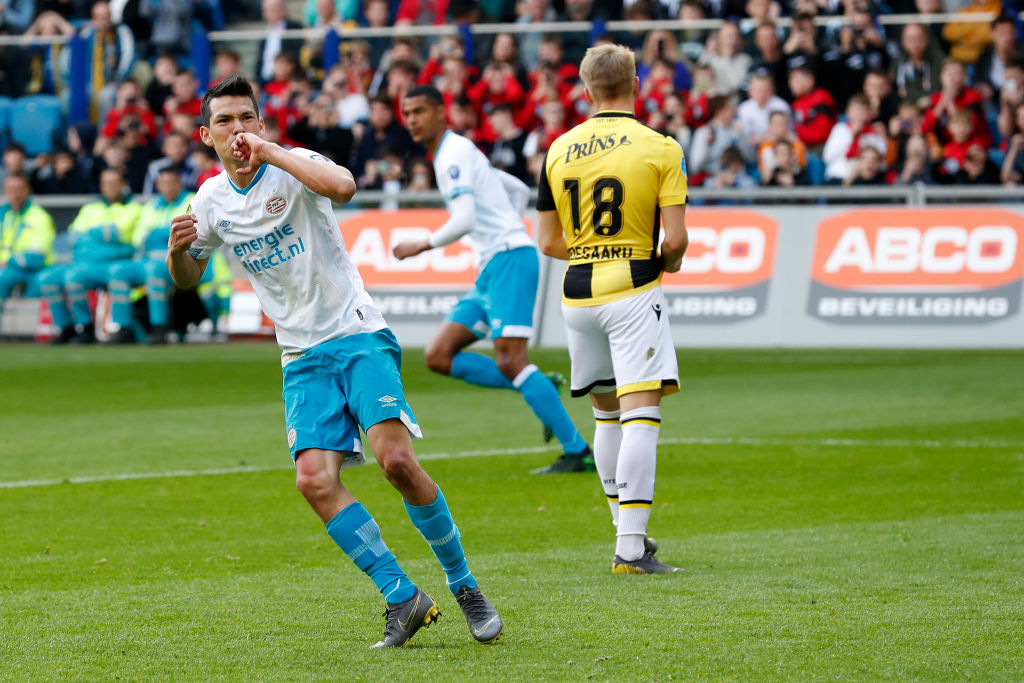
<point x="486" y="207"/>
<point x="272" y="209"/>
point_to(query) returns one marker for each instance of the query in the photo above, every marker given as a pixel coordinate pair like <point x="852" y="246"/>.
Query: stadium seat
<point x="5" y="124"/>
<point x="35" y="122"/>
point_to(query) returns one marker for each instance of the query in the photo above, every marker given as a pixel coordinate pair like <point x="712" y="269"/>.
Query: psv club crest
<point x="275" y="205"/>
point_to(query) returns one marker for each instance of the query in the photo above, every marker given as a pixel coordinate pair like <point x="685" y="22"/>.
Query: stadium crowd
<point x="751" y="102"/>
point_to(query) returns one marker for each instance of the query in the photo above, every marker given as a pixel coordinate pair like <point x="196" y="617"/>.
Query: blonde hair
<point x="609" y="72"/>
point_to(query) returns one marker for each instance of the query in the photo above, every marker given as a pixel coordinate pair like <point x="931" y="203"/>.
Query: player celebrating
<point x="480" y="200"/>
<point x="601" y="192"/>
<point x="272" y="209"/>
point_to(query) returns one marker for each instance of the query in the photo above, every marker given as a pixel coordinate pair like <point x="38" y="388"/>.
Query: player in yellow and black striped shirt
<point x="608" y="187"/>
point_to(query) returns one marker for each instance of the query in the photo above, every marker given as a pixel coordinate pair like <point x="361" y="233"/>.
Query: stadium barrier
<point x="761" y="276"/>
<point x="910" y="273"/>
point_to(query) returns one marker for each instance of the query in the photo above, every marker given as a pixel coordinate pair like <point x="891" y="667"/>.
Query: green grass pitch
<point x="842" y="515"/>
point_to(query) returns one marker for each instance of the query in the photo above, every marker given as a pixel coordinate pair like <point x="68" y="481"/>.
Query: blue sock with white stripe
<point x="480" y="370"/>
<point x="542" y="397"/>
<point x="435" y="522"/>
<point x="356" y="532"/>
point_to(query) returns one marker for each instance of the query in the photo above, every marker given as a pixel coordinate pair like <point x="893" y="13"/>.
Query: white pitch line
<point x="691" y="440"/>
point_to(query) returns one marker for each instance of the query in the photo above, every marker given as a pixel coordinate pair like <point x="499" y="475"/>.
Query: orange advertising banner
<point x="977" y="248"/>
<point x="948" y="266"/>
<point x="728" y="267"/>
<point x="371" y="235"/>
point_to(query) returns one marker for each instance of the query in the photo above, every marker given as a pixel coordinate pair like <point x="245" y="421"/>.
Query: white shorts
<point x="625" y="346"/>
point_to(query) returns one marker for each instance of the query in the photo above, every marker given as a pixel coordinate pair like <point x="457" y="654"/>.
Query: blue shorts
<point x="343" y="384"/>
<point x="502" y="300"/>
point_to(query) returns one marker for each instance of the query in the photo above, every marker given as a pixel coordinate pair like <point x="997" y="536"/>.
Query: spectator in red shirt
<point x="553" y="124"/>
<point x="814" y="110"/>
<point x="550" y="50"/>
<point x="546" y="85"/>
<point x="205" y="160"/>
<point x="129" y="103"/>
<point x="955" y="94"/>
<point x="497" y="86"/>
<point x="505" y="48"/>
<point x="276" y="89"/>
<point x="961" y="139"/>
<point x="419" y="12"/>
<point x="453" y="81"/>
<point x="400" y="77"/>
<point x="698" y="109"/>
<point x="184" y="97"/>
<point x="656" y="87"/>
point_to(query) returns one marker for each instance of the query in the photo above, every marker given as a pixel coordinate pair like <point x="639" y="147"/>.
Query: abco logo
<point x="727" y="268"/>
<point x="918" y="266"/>
<point x="370" y="236"/>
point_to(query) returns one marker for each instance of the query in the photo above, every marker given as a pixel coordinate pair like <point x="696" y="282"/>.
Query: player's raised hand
<point x="183" y="232"/>
<point x="249" y="148"/>
<point x="410" y="248"/>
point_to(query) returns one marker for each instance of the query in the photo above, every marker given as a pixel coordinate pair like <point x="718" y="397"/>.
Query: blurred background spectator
<point x="815" y="81"/>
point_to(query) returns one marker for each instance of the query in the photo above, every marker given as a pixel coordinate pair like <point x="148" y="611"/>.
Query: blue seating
<point x="35" y="122"/>
<point x="5" y="124"/>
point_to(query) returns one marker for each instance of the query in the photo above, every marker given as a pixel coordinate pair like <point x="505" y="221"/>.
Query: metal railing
<point x="252" y="35"/>
<point x="909" y="195"/>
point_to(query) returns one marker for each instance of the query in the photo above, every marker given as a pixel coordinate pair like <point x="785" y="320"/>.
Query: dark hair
<point x="731" y="155"/>
<point x="405" y="65"/>
<point x="18" y="173"/>
<point x="432" y="94"/>
<point x="716" y="103"/>
<point x="14" y="147"/>
<point x="170" y="168"/>
<point x="1004" y="19"/>
<point x="382" y="98"/>
<point x="234" y="84"/>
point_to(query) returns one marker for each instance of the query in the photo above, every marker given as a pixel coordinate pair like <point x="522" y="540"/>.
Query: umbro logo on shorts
<point x="388" y="401"/>
<point x="657" y="310"/>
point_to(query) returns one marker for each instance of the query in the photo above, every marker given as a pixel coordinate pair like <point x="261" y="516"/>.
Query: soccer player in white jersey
<point x="486" y="207"/>
<point x="272" y="209"/>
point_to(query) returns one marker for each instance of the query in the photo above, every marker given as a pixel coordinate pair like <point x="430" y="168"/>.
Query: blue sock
<point x="356" y="532"/>
<point x="58" y="309"/>
<point x="79" y="298"/>
<point x="435" y="522"/>
<point x="480" y="370"/>
<point x="542" y="397"/>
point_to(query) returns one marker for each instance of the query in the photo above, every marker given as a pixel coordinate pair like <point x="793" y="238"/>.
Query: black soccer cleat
<point x="645" y="565"/>
<point x="86" y="336"/>
<point x="403" y="619"/>
<point x="570" y="462"/>
<point x="125" y="335"/>
<point x="484" y="621"/>
<point x="158" y="335"/>
<point x="65" y="335"/>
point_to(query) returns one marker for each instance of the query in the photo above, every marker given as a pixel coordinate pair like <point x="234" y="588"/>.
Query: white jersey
<point x="461" y="168"/>
<point x="288" y="240"/>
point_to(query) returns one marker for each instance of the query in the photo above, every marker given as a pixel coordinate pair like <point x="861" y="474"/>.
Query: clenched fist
<point x="183" y="232"/>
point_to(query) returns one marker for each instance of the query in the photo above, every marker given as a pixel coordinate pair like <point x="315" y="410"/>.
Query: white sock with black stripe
<point x="634" y="477"/>
<point x="607" y="441"/>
